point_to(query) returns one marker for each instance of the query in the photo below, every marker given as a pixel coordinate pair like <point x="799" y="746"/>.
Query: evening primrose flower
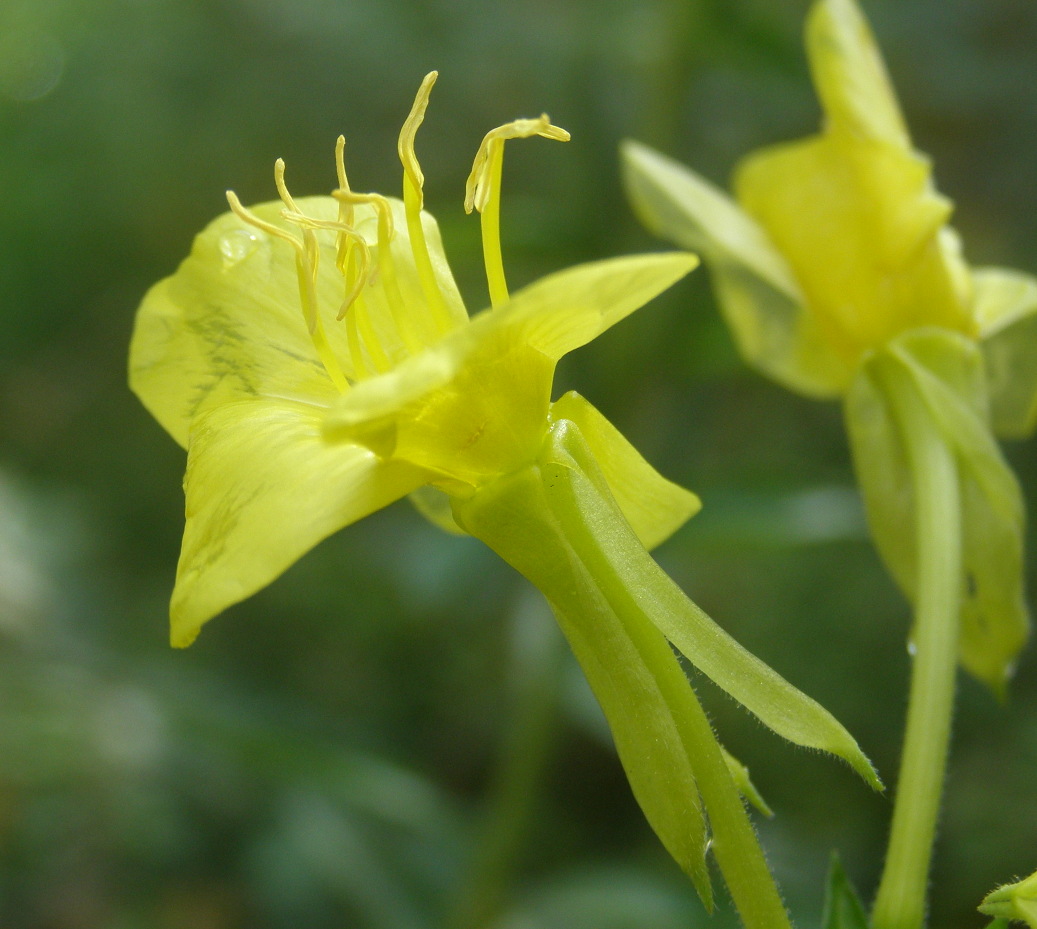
<point x="322" y="343"/>
<point x="315" y="358"/>
<point x="835" y="259"/>
<point x="839" y="276"/>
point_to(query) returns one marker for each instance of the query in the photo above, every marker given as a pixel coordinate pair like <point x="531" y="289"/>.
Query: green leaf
<point x="843" y="908"/>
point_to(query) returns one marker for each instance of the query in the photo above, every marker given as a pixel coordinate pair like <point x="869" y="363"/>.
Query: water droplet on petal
<point x="237" y="245"/>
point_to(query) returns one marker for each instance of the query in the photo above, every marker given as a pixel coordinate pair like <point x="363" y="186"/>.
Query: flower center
<point x="384" y="321"/>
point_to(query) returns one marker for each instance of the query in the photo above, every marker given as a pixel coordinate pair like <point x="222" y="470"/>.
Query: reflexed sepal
<point x="632" y="671"/>
<point x="946" y="370"/>
<point x="654" y="506"/>
<point x="644" y="588"/>
<point x="740" y="775"/>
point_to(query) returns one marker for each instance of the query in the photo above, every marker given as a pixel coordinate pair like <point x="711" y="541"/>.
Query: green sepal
<point x="947" y="372"/>
<point x="1013" y="902"/>
<point x="761" y="690"/>
<point x="756" y="289"/>
<point x="434" y="505"/>
<point x="843" y="909"/>
<point x="654" y="506"/>
<point x="740" y="775"/>
<point x="1005" y="306"/>
<point x="632" y="671"/>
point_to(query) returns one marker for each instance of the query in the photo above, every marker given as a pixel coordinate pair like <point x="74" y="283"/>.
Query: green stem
<point x="560" y="528"/>
<point x="901" y="899"/>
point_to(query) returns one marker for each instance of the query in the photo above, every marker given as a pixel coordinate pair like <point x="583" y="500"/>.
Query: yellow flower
<point x="315" y="358"/>
<point x="836" y="269"/>
<point x="839" y="242"/>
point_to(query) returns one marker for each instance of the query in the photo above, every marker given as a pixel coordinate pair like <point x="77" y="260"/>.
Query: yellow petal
<point x="861" y="226"/>
<point x="755" y="285"/>
<point x="1006" y="312"/>
<point x="475" y="405"/>
<point x="569" y="308"/>
<point x="228" y="324"/>
<point x="849" y="74"/>
<point x="654" y="506"/>
<point x="263" y="487"/>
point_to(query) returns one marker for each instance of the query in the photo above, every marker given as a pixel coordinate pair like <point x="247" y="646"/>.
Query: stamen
<point x="369" y="339"/>
<point x="405" y="146"/>
<point x="345" y="209"/>
<point x="414" y="199"/>
<point x="306" y="271"/>
<point x="482" y="192"/>
<point x="340" y="162"/>
<point x="349" y="241"/>
<point x="356" y="352"/>
<point x="282" y="187"/>
<point x="411" y="340"/>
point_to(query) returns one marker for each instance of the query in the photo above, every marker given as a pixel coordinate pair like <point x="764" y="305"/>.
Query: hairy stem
<point x="901" y="900"/>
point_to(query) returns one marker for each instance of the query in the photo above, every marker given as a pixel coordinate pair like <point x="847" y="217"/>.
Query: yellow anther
<point x="410" y="339"/>
<point x="405" y="146"/>
<point x="349" y="242"/>
<point x="483" y="189"/>
<point x="382" y="208"/>
<point x="345" y="209"/>
<point x="340" y="162"/>
<point x="414" y="200"/>
<point x="282" y="187"/>
<point x="481" y="186"/>
<point x="306" y="258"/>
<point x="247" y="216"/>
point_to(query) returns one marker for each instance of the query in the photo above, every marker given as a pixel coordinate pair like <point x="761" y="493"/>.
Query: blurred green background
<point x="329" y="753"/>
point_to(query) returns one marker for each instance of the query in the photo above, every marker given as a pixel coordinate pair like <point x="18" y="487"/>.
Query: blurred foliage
<point x="327" y="754"/>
